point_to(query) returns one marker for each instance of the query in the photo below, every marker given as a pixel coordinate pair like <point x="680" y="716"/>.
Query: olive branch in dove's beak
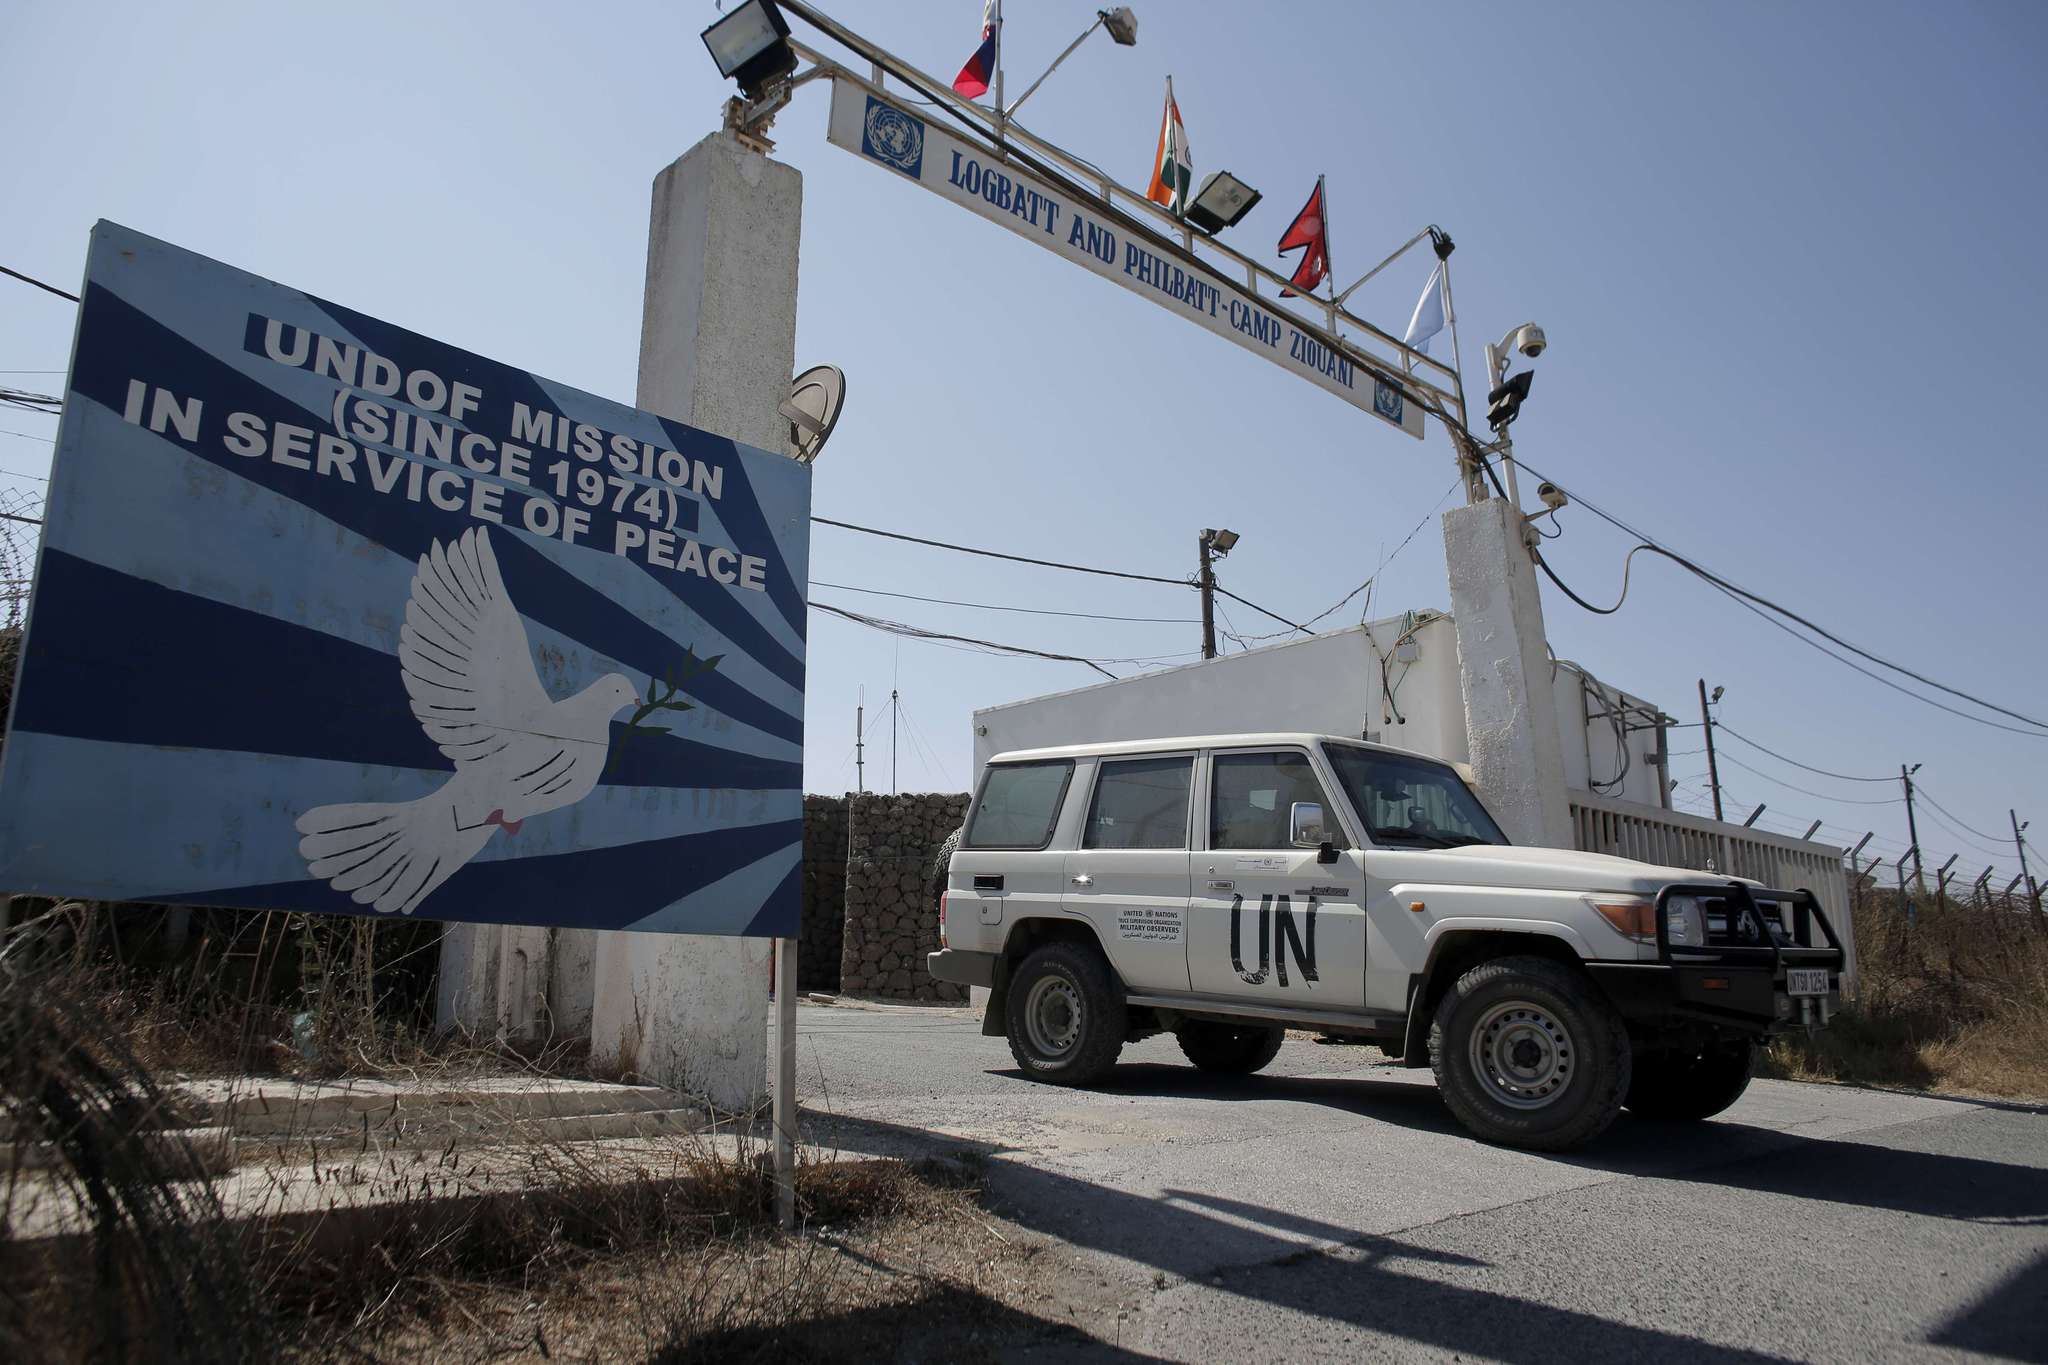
<point x="662" y="692"/>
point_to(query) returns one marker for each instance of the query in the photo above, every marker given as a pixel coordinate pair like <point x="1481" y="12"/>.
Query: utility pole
<point x="860" y="781"/>
<point x="2019" y="837"/>
<point x="895" y="720"/>
<point x="1214" y="545"/>
<point x="1912" y="828"/>
<point x="1707" y="720"/>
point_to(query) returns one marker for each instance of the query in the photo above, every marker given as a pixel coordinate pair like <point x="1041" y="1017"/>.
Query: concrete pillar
<point x="717" y="349"/>
<point x="1510" y="708"/>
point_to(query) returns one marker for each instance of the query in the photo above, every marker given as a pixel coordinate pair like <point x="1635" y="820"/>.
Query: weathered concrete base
<point x="686" y="1012"/>
<point x="1504" y="662"/>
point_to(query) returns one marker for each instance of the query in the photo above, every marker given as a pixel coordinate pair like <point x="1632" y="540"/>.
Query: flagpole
<point x="1001" y="117"/>
<point x="1329" y="270"/>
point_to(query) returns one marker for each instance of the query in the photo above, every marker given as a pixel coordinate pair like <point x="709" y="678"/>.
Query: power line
<point x="997" y="554"/>
<point x="30" y="279"/>
<point x="919" y="633"/>
<point x="1455" y="485"/>
<point x="29" y="435"/>
<point x="1823" y="796"/>
<point x="991" y="606"/>
<point x="1725" y="728"/>
<point x="1222" y="591"/>
<point x="1994" y="838"/>
<point x="1650" y="543"/>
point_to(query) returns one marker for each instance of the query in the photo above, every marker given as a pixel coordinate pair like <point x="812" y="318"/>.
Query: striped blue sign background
<point x="213" y="643"/>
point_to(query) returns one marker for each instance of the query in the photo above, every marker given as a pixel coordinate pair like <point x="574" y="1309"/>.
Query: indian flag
<point x="1173" y="170"/>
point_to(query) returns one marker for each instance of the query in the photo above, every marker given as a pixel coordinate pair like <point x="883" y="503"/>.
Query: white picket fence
<point x="1674" y="839"/>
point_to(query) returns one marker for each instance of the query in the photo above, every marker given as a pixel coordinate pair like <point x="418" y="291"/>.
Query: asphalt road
<point x="1331" y="1209"/>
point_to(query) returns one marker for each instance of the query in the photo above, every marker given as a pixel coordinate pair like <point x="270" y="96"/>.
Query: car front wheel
<point x="1528" y="1053"/>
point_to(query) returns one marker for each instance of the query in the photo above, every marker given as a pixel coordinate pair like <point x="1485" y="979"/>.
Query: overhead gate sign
<point x="881" y="132"/>
<point x="332" y="616"/>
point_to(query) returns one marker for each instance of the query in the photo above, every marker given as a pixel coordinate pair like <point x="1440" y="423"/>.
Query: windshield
<point x="1411" y="802"/>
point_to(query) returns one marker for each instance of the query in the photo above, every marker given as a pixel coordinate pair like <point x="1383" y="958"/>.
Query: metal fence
<point x="21" y="528"/>
<point x="1675" y="839"/>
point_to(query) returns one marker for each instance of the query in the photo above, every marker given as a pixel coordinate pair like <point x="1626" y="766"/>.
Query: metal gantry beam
<point x="1434" y="386"/>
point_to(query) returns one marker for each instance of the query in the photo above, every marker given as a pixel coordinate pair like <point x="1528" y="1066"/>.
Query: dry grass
<point x="1955" y="1001"/>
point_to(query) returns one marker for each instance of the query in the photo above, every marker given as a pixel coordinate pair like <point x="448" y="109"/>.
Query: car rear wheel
<point x="1229" y="1048"/>
<point x="1528" y="1053"/>
<point x="1065" y="1017"/>
<point x="1695" y="1083"/>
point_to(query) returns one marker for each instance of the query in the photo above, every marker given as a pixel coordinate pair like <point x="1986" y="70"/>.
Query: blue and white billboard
<point x="332" y="616"/>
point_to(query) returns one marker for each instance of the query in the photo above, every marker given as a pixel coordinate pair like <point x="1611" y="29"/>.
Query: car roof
<point x="1182" y="743"/>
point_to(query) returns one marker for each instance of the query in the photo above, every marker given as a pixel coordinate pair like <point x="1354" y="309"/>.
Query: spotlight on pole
<point x="1221" y="202"/>
<point x="751" y="46"/>
<point x="1222" y="542"/>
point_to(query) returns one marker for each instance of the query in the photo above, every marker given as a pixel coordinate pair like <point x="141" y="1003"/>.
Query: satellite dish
<point x="813" y="406"/>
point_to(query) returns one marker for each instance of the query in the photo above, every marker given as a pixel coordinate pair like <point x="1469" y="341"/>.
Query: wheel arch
<point x="1026" y="934"/>
<point x="1454" y="952"/>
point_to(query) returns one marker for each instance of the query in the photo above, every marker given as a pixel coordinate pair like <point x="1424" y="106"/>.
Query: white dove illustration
<point x="469" y="671"/>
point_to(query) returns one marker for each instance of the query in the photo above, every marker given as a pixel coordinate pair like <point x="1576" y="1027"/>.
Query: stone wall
<point x="824" y="891"/>
<point x="891" y="922"/>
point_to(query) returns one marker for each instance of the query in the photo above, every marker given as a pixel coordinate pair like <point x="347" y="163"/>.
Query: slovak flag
<point x="981" y="67"/>
<point x="1310" y="229"/>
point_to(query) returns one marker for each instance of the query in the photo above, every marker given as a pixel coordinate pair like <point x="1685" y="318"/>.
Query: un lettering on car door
<point x="1268" y="921"/>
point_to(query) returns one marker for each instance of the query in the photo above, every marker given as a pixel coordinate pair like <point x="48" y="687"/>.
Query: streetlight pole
<point x="1214" y="545"/>
<point x="1912" y="827"/>
<point x="1713" y="770"/>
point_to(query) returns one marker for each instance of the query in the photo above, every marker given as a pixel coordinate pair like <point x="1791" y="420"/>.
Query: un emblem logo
<point x="1386" y="400"/>
<point x="893" y="138"/>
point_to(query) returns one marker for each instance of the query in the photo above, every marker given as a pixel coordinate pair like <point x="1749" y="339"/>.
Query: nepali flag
<point x="981" y="67"/>
<point x="1310" y="229"/>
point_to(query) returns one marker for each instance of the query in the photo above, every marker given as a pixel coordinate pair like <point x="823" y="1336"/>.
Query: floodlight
<point x="1717" y="694"/>
<point x="1122" y="25"/>
<point x="815" y="397"/>
<point x="1222" y="542"/>
<point x="751" y="46"/>
<point x="1221" y="202"/>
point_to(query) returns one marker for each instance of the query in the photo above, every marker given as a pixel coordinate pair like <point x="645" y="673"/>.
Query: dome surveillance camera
<point x="1529" y="340"/>
<point x="1553" y="496"/>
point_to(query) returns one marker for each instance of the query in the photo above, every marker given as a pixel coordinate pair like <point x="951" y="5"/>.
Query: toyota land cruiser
<point x="1227" y="888"/>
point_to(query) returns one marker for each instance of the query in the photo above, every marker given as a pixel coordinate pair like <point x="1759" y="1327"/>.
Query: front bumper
<point x="1737" y="982"/>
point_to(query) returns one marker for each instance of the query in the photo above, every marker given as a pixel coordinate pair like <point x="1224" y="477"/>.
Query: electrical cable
<point x="1966" y="839"/>
<point x="997" y="554"/>
<point x="919" y="633"/>
<point x="1821" y="796"/>
<point x="991" y="606"/>
<point x="1225" y="592"/>
<point x="1726" y="728"/>
<point x="1367" y="584"/>
<point x="1994" y="838"/>
<point x="30" y="279"/>
<point x="1699" y="571"/>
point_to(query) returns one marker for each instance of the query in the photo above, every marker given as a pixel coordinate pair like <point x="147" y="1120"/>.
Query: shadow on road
<point x="1259" y="1253"/>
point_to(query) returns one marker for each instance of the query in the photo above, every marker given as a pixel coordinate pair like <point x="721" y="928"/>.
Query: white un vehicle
<point x="1228" y="887"/>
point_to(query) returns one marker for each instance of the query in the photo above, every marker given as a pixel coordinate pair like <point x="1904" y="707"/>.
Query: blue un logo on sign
<point x="893" y="138"/>
<point x="1386" y="400"/>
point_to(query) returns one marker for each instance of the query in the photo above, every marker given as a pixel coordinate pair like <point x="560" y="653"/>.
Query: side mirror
<point x="1305" y="824"/>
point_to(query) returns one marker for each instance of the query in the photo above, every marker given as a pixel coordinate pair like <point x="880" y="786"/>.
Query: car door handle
<point x="1082" y="879"/>
<point x="988" y="881"/>
<point x="1222" y="886"/>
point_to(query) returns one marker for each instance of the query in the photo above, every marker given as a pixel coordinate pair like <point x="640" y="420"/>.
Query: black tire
<point x="1528" y="1053"/>
<point x="1229" y="1048"/>
<point x="1081" y="1021"/>
<point x="942" y="865"/>
<point x="1694" y="1084"/>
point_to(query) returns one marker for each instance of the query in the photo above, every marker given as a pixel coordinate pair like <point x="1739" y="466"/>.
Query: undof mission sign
<point x="921" y="151"/>
<point x="332" y="616"/>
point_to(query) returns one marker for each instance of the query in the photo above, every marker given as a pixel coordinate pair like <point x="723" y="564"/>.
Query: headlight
<point x="1685" y="922"/>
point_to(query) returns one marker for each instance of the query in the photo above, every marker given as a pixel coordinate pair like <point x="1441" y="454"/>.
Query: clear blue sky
<point x="1787" y="255"/>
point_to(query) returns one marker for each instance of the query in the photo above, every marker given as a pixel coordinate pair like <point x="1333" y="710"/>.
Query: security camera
<point x="1553" y="496"/>
<point x="1529" y="340"/>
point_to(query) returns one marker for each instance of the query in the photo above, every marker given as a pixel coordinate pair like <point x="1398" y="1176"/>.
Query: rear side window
<point x="1020" y="803"/>
<point x="1140" y="804"/>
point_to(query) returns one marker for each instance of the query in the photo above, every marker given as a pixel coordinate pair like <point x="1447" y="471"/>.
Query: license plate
<point x="1806" y="981"/>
